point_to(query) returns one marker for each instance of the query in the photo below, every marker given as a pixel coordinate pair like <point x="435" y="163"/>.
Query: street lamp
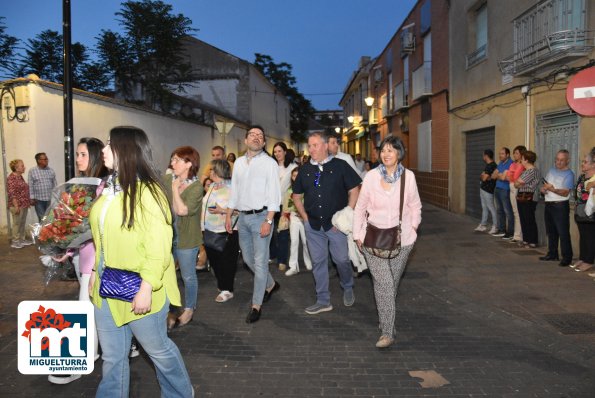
<point x="350" y="119"/>
<point x="369" y="101"/>
<point x="337" y="130"/>
<point x="224" y="128"/>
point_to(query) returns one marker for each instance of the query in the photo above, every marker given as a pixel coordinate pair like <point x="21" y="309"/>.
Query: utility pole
<point x="67" y="94"/>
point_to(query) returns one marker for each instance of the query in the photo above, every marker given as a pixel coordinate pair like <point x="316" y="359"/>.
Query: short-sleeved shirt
<point x="531" y="179"/>
<point x="325" y="191"/>
<point x="489" y="185"/>
<point x="560" y="179"/>
<point x="188" y="233"/>
<point x="502" y="167"/>
<point x="17" y="189"/>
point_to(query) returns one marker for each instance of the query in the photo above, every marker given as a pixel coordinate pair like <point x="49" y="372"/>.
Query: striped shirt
<point x="41" y="183"/>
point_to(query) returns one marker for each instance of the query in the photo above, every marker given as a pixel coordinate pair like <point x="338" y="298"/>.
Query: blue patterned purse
<point x="119" y="284"/>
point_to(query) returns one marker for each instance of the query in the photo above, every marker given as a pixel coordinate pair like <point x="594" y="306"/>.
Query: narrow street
<point x="477" y="316"/>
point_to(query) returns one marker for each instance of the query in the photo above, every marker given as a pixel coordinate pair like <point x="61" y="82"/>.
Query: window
<point x="406" y="80"/>
<point x="424" y="146"/>
<point x="426" y="16"/>
<point x="479" y="37"/>
<point x="391" y="92"/>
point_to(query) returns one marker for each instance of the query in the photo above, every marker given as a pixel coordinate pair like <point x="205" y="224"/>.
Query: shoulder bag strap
<point x="402" y="196"/>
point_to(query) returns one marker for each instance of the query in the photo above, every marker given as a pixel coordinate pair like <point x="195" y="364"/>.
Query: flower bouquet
<point x="65" y="226"/>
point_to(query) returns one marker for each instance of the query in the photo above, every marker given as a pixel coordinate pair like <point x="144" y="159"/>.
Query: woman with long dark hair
<point x="132" y="230"/>
<point x="280" y="239"/>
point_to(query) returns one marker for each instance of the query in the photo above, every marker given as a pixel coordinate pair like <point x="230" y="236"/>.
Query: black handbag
<point x="215" y="240"/>
<point x="580" y="216"/>
<point x="386" y="243"/>
<point x="524" y="197"/>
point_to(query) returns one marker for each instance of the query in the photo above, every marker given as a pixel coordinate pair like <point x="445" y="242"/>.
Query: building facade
<point x="510" y="65"/>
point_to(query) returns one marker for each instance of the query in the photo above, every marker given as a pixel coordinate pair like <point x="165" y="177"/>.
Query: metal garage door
<point x="476" y="142"/>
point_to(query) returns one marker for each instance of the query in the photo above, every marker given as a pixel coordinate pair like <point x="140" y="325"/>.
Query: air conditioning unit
<point x="407" y="41"/>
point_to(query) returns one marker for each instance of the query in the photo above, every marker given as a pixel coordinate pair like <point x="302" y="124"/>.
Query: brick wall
<point x="433" y="187"/>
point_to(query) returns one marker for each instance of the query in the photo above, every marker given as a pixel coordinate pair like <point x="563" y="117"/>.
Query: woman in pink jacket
<point x="380" y="198"/>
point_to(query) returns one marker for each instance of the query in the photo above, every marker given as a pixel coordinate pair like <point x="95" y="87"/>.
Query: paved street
<point x="479" y="317"/>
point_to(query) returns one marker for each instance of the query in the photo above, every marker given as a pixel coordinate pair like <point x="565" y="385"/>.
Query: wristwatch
<point x="270" y="222"/>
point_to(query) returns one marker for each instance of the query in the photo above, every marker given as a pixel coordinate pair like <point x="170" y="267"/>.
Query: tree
<point x="281" y="76"/>
<point x="7" y="49"/>
<point x="149" y="53"/>
<point x="44" y="57"/>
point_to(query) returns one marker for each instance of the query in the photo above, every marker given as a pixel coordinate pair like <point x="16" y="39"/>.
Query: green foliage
<point x="149" y="53"/>
<point x="7" y="49"/>
<point x="281" y="76"/>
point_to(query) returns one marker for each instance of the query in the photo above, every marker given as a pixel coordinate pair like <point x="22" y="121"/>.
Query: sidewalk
<point x="487" y="317"/>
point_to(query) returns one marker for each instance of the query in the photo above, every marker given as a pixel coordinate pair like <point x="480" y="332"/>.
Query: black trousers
<point x="528" y="223"/>
<point x="557" y="228"/>
<point x="586" y="242"/>
<point x="224" y="263"/>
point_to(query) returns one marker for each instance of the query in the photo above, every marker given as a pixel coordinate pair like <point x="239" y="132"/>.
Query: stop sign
<point x="580" y="92"/>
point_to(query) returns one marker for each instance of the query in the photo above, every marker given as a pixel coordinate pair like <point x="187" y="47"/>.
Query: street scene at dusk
<point x="297" y="200"/>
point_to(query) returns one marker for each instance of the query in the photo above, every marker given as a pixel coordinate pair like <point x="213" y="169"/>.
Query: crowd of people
<point x="511" y="189"/>
<point x="264" y="206"/>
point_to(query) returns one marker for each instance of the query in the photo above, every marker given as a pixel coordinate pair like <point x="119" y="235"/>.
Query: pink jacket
<point x="383" y="207"/>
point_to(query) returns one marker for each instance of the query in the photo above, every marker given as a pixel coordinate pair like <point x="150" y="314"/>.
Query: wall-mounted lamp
<point x="350" y="119"/>
<point x="338" y="130"/>
<point x="369" y="101"/>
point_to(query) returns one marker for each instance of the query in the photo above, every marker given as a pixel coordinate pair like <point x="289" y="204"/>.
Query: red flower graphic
<point x="43" y="319"/>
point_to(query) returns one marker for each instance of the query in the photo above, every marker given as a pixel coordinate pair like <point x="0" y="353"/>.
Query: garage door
<point x="476" y="142"/>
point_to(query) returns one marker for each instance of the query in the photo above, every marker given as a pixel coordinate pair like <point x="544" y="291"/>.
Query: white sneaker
<point x="26" y="242"/>
<point x="493" y="231"/>
<point x="63" y="379"/>
<point x="481" y="228"/>
<point x="16" y="244"/>
<point x="133" y="351"/>
<point x="291" y="271"/>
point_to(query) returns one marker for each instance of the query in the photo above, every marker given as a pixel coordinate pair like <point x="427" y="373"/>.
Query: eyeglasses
<point x="317" y="178"/>
<point x="256" y="135"/>
<point x="176" y="159"/>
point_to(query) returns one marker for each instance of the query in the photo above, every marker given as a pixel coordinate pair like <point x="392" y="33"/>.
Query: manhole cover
<point x="524" y="252"/>
<point x="416" y="275"/>
<point x="573" y="323"/>
<point x="468" y="244"/>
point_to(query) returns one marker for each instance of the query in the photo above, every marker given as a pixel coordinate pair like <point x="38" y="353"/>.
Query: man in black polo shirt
<point x="326" y="185"/>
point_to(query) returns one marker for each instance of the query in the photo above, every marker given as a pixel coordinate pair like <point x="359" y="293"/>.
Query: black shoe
<point x="564" y="263"/>
<point x="547" y="257"/>
<point x="267" y="294"/>
<point x="253" y="315"/>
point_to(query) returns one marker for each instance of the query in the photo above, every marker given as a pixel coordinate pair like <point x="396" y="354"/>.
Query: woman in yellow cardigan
<point x="132" y="231"/>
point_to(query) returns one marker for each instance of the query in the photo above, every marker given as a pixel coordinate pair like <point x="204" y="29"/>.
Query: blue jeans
<point x="319" y="244"/>
<point x="255" y="251"/>
<point x="487" y="203"/>
<point x="40" y="208"/>
<point x="505" y="214"/>
<point x="151" y="333"/>
<point x="187" y="260"/>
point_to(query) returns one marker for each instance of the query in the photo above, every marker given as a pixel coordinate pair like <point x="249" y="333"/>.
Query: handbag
<point x="524" y="197"/>
<point x="215" y="240"/>
<point x="386" y="243"/>
<point x="119" y="284"/>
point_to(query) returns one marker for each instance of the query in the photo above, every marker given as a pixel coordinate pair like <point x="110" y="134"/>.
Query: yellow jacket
<point x="146" y="249"/>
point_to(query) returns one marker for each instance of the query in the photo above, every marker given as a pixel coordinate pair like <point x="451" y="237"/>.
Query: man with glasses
<point x="256" y="194"/>
<point x="326" y="185"/>
<point x="41" y="179"/>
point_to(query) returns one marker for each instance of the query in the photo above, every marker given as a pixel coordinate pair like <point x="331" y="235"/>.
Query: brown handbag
<point x="524" y="197"/>
<point x="386" y="243"/>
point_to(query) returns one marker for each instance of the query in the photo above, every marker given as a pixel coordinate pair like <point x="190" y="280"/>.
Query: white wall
<point x="94" y="116"/>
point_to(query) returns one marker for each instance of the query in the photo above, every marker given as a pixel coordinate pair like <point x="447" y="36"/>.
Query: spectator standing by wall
<point x="42" y="179"/>
<point x="514" y="172"/>
<point x="502" y="196"/>
<point x="486" y="193"/>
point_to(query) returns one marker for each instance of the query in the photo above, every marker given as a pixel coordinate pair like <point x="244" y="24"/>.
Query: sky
<point x="322" y="39"/>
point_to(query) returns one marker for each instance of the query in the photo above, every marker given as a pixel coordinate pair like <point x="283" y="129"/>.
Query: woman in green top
<point x="132" y="231"/>
<point x="185" y="192"/>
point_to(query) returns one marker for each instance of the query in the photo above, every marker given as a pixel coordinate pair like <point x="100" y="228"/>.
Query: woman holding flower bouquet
<point x="185" y="192"/>
<point x="132" y="230"/>
<point x="89" y="163"/>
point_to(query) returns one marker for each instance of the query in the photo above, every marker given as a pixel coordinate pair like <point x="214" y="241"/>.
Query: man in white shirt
<point x="333" y="149"/>
<point x="359" y="163"/>
<point x="256" y="194"/>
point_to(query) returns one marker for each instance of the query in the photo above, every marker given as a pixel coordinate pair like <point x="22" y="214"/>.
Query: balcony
<point x="401" y="100"/>
<point x="422" y="81"/>
<point x="555" y="48"/>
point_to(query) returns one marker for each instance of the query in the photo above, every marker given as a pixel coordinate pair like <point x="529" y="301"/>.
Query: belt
<point x="253" y="211"/>
<point x="556" y="202"/>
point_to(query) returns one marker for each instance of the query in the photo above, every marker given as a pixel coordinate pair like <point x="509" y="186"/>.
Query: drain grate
<point x="468" y="244"/>
<point x="572" y="323"/>
<point x="525" y="252"/>
<point x="416" y="275"/>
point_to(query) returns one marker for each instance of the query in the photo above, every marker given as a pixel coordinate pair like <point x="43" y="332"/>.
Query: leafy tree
<point x="7" y="49"/>
<point x="149" y="53"/>
<point x="44" y="57"/>
<point x="281" y="76"/>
